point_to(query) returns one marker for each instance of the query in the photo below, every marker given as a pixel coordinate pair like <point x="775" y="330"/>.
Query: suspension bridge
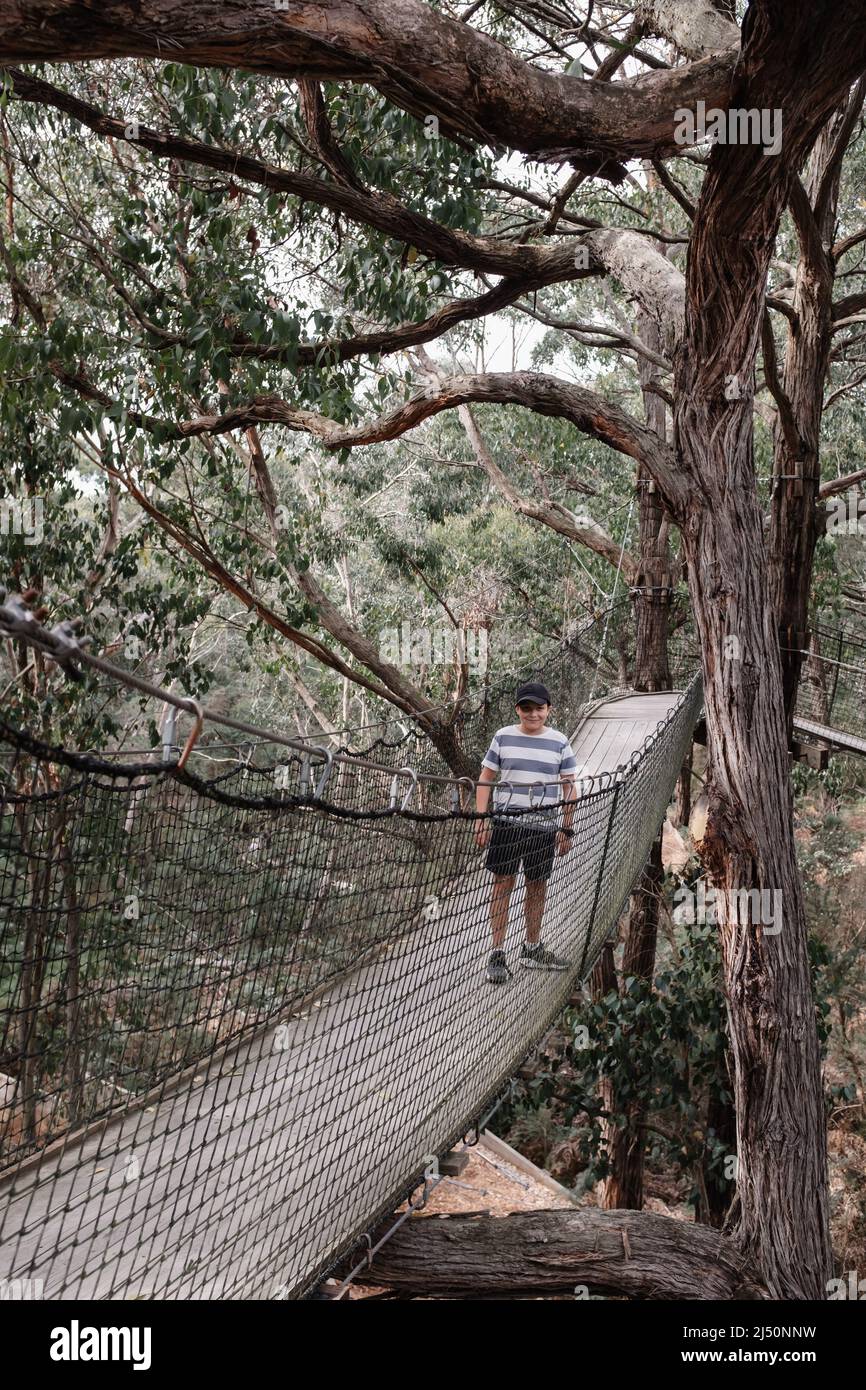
<point x="246" y="1015"/>
<point x="831" y="700"/>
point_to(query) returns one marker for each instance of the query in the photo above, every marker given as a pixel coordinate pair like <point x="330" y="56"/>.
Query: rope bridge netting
<point x="240" y="1013"/>
<point x="831" y="694"/>
<point x="832" y="691"/>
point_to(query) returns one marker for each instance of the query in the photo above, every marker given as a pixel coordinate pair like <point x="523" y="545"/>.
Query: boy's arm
<point x="568" y="770"/>
<point x="569" y="795"/>
<point x="482" y="791"/>
<point x="490" y="765"/>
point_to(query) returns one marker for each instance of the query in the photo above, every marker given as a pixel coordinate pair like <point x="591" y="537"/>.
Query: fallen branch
<point x="632" y="1253"/>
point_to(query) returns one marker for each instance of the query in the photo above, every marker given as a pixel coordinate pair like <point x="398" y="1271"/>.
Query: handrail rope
<point x="591" y="785"/>
<point x="827" y="660"/>
<point x="62" y="644"/>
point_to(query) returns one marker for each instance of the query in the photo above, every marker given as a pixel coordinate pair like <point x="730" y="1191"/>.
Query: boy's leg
<point x="500" y="899"/>
<point x="533" y="908"/>
<point x="537" y="866"/>
<point x="538" y="854"/>
<point x="503" y="861"/>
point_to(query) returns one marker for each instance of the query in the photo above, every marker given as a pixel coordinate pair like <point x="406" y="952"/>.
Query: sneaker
<point x="538" y="958"/>
<point x="497" y="970"/>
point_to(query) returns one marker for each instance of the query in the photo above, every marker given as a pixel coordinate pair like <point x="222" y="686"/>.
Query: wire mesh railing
<point x="238" y="1012"/>
<point x="832" y="691"/>
<point x="831" y="695"/>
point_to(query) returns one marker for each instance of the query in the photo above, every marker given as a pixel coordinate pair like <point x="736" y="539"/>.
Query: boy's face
<point x="532" y="717"/>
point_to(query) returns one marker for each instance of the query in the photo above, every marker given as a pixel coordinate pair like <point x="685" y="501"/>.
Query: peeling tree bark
<point x="801" y="60"/>
<point x="422" y="60"/>
<point x="695" y="27"/>
<point x="646" y="275"/>
<point x="795" y="516"/>
<point x="636" y="1254"/>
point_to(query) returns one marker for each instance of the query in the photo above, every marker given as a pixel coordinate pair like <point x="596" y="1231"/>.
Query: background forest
<point x="252" y="561"/>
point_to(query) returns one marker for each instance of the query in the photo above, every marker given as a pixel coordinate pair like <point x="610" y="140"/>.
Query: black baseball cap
<point x="533" y="690"/>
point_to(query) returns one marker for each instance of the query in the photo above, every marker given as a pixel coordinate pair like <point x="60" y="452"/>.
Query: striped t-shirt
<point x="530" y="766"/>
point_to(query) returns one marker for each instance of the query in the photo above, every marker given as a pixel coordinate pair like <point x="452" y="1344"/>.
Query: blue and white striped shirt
<point x="530" y="768"/>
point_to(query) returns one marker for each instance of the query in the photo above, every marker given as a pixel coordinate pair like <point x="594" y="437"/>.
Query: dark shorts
<point x="510" y="845"/>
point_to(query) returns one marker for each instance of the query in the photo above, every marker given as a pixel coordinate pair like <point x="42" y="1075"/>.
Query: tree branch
<point x="848" y="243"/>
<point x="546" y="395"/>
<point x="693" y="26"/>
<point x="806" y="223"/>
<point x="422" y="60"/>
<point x="845" y="309"/>
<point x="400" y="691"/>
<point x="562" y="520"/>
<point x="631" y="1253"/>
<point x="836" y="485"/>
<point x="833" y="165"/>
<point x="582" y="529"/>
<point x="373" y="208"/>
<point x="227" y="581"/>
<point x="783" y="307"/>
<point x="787" y="421"/>
<point x="844" y="391"/>
<point x="669" y="183"/>
<point x="321" y="135"/>
<point x="645" y="274"/>
<point x="594" y="333"/>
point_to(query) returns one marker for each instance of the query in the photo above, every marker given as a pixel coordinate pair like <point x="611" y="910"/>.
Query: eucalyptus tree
<point x="283" y="126"/>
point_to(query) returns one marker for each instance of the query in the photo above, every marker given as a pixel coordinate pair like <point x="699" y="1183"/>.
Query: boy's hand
<point x="482" y="834"/>
<point x="563" y="842"/>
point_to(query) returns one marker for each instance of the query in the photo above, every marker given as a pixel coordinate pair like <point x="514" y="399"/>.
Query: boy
<point x="537" y="765"/>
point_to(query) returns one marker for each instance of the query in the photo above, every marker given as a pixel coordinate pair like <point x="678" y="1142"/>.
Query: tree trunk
<point x="683" y="795"/>
<point x="795" y="515"/>
<point x="603" y="977"/>
<point x="652" y="591"/>
<point x="749" y="842"/>
<point x="625" y="1144"/>
<point x="800" y="60"/>
<point x="715" y="1201"/>
<point x="636" y="1254"/>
